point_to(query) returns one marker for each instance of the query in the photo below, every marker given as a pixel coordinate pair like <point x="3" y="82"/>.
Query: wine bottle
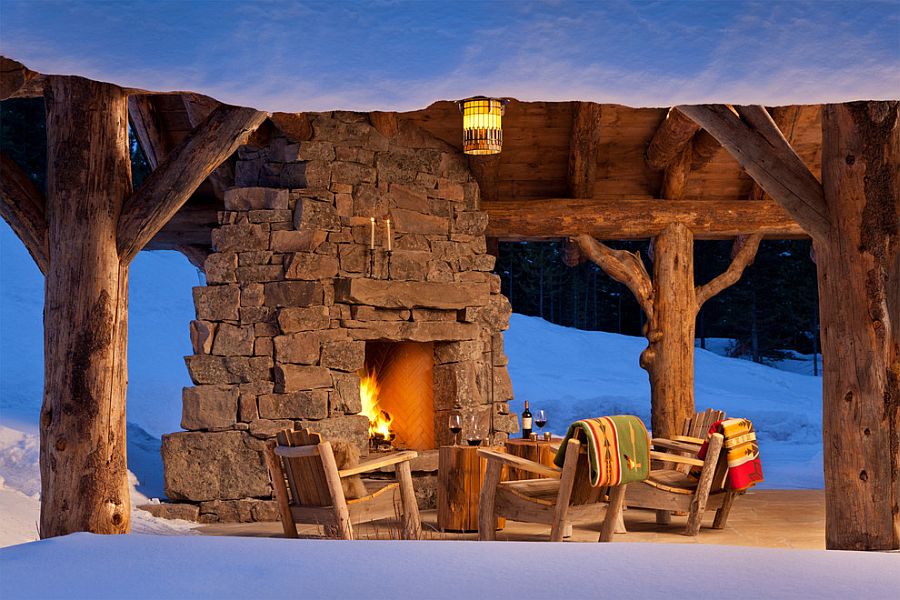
<point x="526" y="422"/>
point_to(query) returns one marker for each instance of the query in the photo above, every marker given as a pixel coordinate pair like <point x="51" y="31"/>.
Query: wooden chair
<point x="669" y="488"/>
<point x="553" y="500"/>
<point x="316" y="497"/>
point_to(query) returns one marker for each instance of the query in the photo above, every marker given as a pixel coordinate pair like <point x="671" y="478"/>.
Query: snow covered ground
<point x="140" y="566"/>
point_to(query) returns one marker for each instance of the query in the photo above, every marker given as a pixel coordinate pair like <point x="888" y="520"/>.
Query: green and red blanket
<point x="618" y="448"/>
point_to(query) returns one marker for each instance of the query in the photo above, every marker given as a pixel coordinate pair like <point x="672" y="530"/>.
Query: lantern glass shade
<point x="482" y="132"/>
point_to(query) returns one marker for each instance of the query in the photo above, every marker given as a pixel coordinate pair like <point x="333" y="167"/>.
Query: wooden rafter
<point x="704" y="148"/>
<point x="173" y="182"/>
<point x="145" y="123"/>
<point x="23" y="206"/>
<point x="756" y="143"/>
<point x="14" y="77"/>
<point x="671" y="139"/>
<point x="198" y="108"/>
<point x="785" y="118"/>
<point x="636" y="219"/>
<point x="583" y="148"/>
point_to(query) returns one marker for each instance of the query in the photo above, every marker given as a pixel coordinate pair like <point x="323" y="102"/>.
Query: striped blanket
<point x="618" y="449"/>
<point x="742" y="452"/>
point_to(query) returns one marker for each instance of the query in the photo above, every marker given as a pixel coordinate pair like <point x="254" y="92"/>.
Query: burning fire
<point x="379" y="420"/>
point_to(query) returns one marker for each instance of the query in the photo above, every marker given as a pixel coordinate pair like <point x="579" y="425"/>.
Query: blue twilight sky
<point x="386" y="54"/>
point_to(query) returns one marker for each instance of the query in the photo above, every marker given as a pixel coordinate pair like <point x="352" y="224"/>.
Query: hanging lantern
<point x="482" y="133"/>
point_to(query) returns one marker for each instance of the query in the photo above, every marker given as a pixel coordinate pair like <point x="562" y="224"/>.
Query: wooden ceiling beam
<point x="198" y="107"/>
<point x="145" y="123"/>
<point x="14" y="77"/>
<point x="583" y="148"/>
<point x="167" y="189"/>
<point x="636" y="219"/>
<point x="486" y="169"/>
<point x="785" y="118"/>
<point x="671" y="138"/>
<point x="757" y="144"/>
<point x="23" y="206"/>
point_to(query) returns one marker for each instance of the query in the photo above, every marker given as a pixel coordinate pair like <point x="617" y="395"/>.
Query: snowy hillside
<point x="569" y="373"/>
<point x="573" y="374"/>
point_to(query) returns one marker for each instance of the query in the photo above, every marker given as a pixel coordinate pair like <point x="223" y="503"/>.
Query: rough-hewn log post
<point x="854" y="220"/>
<point x="84" y="482"/>
<point x="669" y="357"/>
<point x="859" y="290"/>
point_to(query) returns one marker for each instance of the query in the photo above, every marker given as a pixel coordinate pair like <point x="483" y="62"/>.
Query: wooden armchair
<point x="302" y="463"/>
<point x="669" y="488"/>
<point x="553" y="500"/>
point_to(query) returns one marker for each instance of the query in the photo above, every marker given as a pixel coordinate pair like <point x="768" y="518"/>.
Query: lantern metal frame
<point x="483" y="133"/>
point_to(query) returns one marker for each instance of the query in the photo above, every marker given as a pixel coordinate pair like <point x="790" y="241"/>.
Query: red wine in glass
<point x="540" y="419"/>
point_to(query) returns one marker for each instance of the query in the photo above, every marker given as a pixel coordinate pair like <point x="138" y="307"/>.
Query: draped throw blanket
<point x="742" y="452"/>
<point x="618" y="449"/>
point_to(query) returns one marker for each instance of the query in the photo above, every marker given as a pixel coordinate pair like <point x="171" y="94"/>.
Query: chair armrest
<point x="520" y="463"/>
<point x="377" y="463"/>
<point x="673" y="445"/>
<point x="675" y="458"/>
<point x="688" y="439"/>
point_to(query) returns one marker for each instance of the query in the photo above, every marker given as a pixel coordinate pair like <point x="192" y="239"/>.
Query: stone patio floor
<point x="764" y="518"/>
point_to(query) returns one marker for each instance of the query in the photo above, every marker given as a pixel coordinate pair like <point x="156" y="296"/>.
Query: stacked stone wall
<point x="288" y="307"/>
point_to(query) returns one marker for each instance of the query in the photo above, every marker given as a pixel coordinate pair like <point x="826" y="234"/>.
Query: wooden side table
<point x="539" y="451"/>
<point x="542" y="451"/>
<point x="460" y="474"/>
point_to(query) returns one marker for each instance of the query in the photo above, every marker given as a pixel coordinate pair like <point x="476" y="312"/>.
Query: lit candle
<point x="372" y="237"/>
<point x="388" y="235"/>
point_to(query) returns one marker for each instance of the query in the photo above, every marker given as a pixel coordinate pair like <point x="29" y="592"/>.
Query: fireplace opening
<point x="397" y="391"/>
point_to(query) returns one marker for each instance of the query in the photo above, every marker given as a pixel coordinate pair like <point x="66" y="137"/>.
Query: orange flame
<point x="379" y="420"/>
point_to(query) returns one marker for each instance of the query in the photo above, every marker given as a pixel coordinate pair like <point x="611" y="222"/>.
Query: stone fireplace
<point x="296" y="316"/>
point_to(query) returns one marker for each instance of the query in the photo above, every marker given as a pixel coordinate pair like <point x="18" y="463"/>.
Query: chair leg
<point x="412" y="526"/>
<point x="273" y="463"/>
<point x="613" y="513"/>
<point x="663" y="517"/>
<point x="722" y="513"/>
<point x="342" y="525"/>
<point x="487" y="518"/>
<point x="701" y="495"/>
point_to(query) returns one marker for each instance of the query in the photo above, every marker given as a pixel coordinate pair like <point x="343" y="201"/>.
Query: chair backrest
<point x="306" y="474"/>
<point x="698" y="425"/>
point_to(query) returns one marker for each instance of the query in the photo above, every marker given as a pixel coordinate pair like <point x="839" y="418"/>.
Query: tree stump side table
<point x="538" y="451"/>
<point x="541" y="451"/>
<point x="460" y="474"/>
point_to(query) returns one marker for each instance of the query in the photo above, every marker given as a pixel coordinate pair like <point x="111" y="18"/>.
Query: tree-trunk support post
<point x="84" y="474"/>
<point x="854" y="220"/>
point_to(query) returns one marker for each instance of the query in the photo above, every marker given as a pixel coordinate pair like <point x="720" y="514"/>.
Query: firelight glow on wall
<point x="482" y="131"/>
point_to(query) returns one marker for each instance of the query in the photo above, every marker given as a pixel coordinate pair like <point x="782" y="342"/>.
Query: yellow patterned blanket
<point x="742" y="452"/>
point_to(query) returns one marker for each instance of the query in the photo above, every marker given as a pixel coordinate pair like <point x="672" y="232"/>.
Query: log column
<point x="859" y="298"/>
<point x="84" y="483"/>
<point x="669" y="356"/>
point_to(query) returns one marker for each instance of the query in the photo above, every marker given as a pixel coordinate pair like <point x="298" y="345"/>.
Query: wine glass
<point x="540" y="419"/>
<point x="455" y="424"/>
<point x="473" y="438"/>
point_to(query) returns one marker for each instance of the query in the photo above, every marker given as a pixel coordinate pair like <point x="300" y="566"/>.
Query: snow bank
<point x="20" y="487"/>
<point x="139" y="566"/>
